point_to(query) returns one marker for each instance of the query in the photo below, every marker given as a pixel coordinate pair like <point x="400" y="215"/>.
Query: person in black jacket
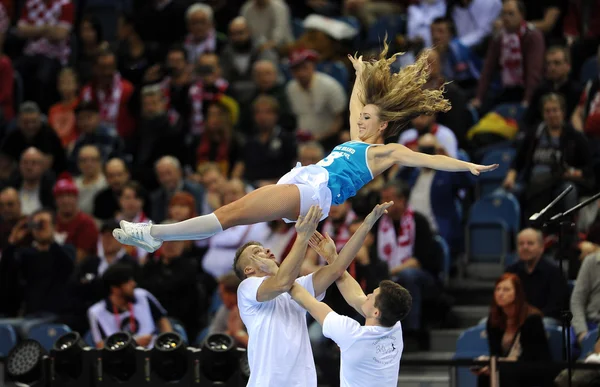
<point x="515" y="332"/>
<point x="550" y="158"/>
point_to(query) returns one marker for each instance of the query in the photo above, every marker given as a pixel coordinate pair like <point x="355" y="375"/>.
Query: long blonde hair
<point x="402" y="96"/>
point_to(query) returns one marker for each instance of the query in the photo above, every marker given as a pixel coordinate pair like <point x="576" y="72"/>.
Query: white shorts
<point x="312" y="183"/>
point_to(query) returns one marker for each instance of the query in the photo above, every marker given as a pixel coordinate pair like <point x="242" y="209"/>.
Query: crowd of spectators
<point x="167" y="109"/>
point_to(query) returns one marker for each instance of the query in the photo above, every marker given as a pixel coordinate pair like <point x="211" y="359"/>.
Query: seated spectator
<point x="209" y="175"/>
<point x="31" y="131"/>
<point x="425" y="124"/>
<point x="518" y="54"/>
<point x="126" y="308"/>
<point x="93" y="132"/>
<point x="270" y="153"/>
<point x="227" y="319"/>
<point x="220" y="143"/>
<point x="471" y="31"/>
<point x="131" y="204"/>
<point x="549" y="159"/>
<point x="73" y="226"/>
<point x="239" y="56"/>
<point x="586" y="117"/>
<point x="558" y="67"/>
<point x="202" y="37"/>
<point x="269" y="20"/>
<point x="310" y="153"/>
<point x="159" y="134"/>
<point x="317" y="100"/>
<point x="61" y="116"/>
<point x="170" y="176"/>
<point x="459" y="63"/>
<point x="171" y="277"/>
<point x="47" y="27"/>
<point x="34" y="182"/>
<point x="585" y="299"/>
<point x="515" y="332"/>
<point x="544" y="285"/>
<point x="404" y="240"/>
<point x="177" y="81"/>
<point x="434" y="194"/>
<point x="90" y="43"/>
<point x="92" y="180"/>
<point x="112" y="94"/>
<point x="106" y="203"/>
<point x="420" y="15"/>
<point x="44" y="266"/>
<point x="7" y="97"/>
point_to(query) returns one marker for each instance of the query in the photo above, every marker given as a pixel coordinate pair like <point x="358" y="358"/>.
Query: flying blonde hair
<point x="402" y="96"/>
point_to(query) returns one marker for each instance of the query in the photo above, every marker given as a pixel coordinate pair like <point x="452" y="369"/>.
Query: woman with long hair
<point x="515" y="332"/>
<point x="381" y="104"/>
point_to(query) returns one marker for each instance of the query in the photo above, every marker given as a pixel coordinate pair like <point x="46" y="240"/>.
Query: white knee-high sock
<point x="200" y="227"/>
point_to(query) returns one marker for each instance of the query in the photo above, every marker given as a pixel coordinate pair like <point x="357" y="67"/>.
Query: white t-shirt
<point x="370" y="354"/>
<point x="279" y="351"/>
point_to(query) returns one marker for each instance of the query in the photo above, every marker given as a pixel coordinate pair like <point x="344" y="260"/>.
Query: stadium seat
<point x="391" y="25"/>
<point x="8" y="339"/>
<point x="337" y="71"/>
<point x="46" y="334"/>
<point x="471" y="344"/>
<point x="492" y="227"/>
<point x="589" y="70"/>
<point x="490" y="181"/>
<point x="445" y="274"/>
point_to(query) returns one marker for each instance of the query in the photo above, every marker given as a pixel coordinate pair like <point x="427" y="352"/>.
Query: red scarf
<point x="198" y="95"/>
<point x="109" y="101"/>
<point x="204" y="151"/>
<point x="341" y="235"/>
<point x="511" y="57"/>
<point x="396" y="246"/>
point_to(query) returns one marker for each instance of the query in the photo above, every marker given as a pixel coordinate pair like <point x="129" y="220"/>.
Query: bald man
<point x="545" y="286"/>
<point x="106" y="203"/>
<point x="33" y="184"/>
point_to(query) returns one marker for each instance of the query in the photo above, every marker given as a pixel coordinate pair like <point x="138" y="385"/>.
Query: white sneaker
<point x="137" y="234"/>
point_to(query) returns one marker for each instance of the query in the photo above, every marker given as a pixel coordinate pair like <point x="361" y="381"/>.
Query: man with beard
<point x="159" y="135"/>
<point x="126" y="309"/>
<point x="238" y="58"/>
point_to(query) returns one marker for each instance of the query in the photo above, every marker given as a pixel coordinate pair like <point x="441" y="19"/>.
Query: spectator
<point x="176" y="84"/>
<point x="161" y="22"/>
<point x="270" y="153"/>
<point x="239" y="56"/>
<point x="310" y="153"/>
<point x="131" y="203"/>
<point x="420" y="15"/>
<point x="61" y="116"/>
<point x="227" y="319"/>
<point x="93" y="132"/>
<point x="44" y="265"/>
<point x="546" y="18"/>
<point x="112" y="93"/>
<point x="558" y="67"/>
<point x="515" y="332"/>
<point x="134" y="56"/>
<point x="92" y="180"/>
<point x="220" y="143"/>
<point x="404" y="240"/>
<point x="435" y="194"/>
<point x="585" y="300"/>
<point x="106" y="203"/>
<point x="160" y="134"/>
<point x="170" y="176"/>
<point x="368" y="11"/>
<point x="33" y="183"/>
<point x="202" y="37"/>
<point x="317" y="100"/>
<point x="73" y="226"/>
<point x="127" y="309"/>
<point x="91" y="43"/>
<point x="46" y="24"/>
<point x="10" y="214"/>
<point x="209" y="87"/>
<point x="182" y="206"/>
<point x="425" y="124"/>
<point x="212" y="179"/>
<point x="171" y="278"/>
<point x="474" y="20"/>
<point x="31" y="131"/>
<point x="586" y="117"/>
<point x="7" y="102"/>
<point x="550" y="158"/>
<point x="518" y="53"/>
<point x="269" y="20"/>
<point x="544" y="285"/>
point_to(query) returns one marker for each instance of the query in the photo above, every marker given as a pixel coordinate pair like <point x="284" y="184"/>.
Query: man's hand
<point x="19" y="231"/>
<point x="581" y="336"/>
<point x="307" y="225"/>
<point x="377" y="212"/>
<point x="144" y="340"/>
<point x="324" y="246"/>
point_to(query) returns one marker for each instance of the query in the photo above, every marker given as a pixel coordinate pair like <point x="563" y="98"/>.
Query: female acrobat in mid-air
<point x="381" y="104"/>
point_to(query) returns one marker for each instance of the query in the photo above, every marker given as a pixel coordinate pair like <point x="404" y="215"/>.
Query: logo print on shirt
<point x="386" y="351"/>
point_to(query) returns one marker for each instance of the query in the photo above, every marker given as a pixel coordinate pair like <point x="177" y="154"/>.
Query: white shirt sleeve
<point x="246" y="293"/>
<point x="337" y="96"/>
<point x="307" y="283"/>
<point x="340" y="329"/>
<point x="94" y="326"/>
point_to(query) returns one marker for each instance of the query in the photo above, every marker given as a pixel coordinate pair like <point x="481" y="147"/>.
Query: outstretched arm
<point x="326" y="275"/>
<point x="356" y="104"/>
<point x="318" y="310"/>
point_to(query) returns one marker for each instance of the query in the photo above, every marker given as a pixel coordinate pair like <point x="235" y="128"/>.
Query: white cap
<point x="336" y="29"/>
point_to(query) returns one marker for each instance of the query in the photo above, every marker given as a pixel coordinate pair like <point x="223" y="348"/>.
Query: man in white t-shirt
<point x="279" y="352"/>
<point x="370" y="354"/>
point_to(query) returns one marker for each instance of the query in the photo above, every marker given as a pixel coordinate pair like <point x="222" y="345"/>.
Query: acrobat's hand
<point x="358" y="63"/>
<point x="377" y="212"/>
<point x="324" y="246"/>
<point x="307" y="225"/>
<point x="477" y="169"/>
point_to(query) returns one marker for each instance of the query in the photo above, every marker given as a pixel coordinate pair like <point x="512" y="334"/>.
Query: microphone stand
<point x="564" y="226"/>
